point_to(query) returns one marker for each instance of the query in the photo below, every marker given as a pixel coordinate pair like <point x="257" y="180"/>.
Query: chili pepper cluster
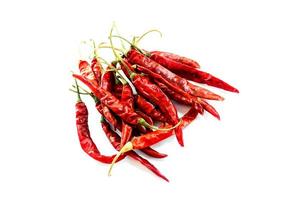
<point x="136" y="119"/>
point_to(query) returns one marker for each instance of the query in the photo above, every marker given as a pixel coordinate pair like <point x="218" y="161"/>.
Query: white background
<point x="240" y="157"/>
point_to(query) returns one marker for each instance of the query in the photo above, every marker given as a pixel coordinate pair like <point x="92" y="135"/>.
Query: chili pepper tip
<point x="127" y="147"/>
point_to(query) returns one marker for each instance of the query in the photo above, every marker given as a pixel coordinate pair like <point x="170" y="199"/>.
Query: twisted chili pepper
<point x="148" y="150"/>
<point x="107" y="83"/>
<point x="123" y="111"/>
<point x="158" y="77"/>
<point x="87" y="72"/>
<point x="114" y="139"/>
<point x="135" y="57"/>
<point x="179" y="98"/>
<point x="158" y="97"/>
<point x="141" y="142"/>
<point x="147" y="118"/>
<point x="149" y="109"/>
<point x="181" y="59"/>
<point x="85" y="139"/>
<point x="191" y="73"/>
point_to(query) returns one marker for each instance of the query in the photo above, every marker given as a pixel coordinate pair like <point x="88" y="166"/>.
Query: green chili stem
<point x="77" y="90"/>
<point x="146" y="33"/>
<point x="127" y="147"/>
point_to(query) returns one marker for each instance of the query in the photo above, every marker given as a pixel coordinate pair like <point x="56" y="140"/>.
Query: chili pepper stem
<point x="127" y="147"/>
<point x="132" y="45"/>
<point x="146" y="33"/>
<point x="77" y="90"/>
<point x="155" y="128"/>
<point x="85" y="93"/>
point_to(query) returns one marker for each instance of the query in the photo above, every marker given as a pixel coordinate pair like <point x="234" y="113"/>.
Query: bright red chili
<point x="134" y="57"/>
<point x="177" y="58"/>
<point x="86" y="141"/>
<point x="105" y="97"/>
<point x="192" y="73"/>
<point x="149" y="109"/>
<point x="114" y="139"/>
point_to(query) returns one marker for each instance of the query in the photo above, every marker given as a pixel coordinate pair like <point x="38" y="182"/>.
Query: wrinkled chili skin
<point x="153" y="93"/>
<point x="149" y="109"/>
<point x="114" y="139"/>
<point x="128" y="99"/>
<point x="179" y="98"/>
<point x="159" y="98"/>
<point x="107" y="83"/>
<point x="209" y="108"/>
<point x="158" y="77"/>
<point x="86" y="142"/>
<point x="187" y="61"/>
<point x="189" y="117"/>
<point x="191" y="73"/>
<point x="86" y="71"/>
<point x="150" y="139"/>
<point x="147" y="118"/>
<point x="96" y="68"/>
<point x="134" y="57"/>
<point x="106" y="98"/>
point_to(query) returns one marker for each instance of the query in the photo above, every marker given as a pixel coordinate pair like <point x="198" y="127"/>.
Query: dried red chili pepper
<point x="189" y="117"/>
<point x="86" y="141"/>
<point x="114" y="139"/>
<point x="149" y="109"/>
<point x="209" y="108"/>
<point x="96" y="68"/>
<point x="87" y="72"/>
<point x="177" y="58"/>
<point x="192" y="73"/>
<point x="142" y="142"/>
<point x="148" y="150"/>
<point x="179" y="98"/>
<point x="158" y="97"/>
<point x="107" y="83"/>
<point x="127" y="99"/>
<point x="158" y="77"/>
<point x="147" y="118"/>
<point x="123" y="111"/>
<point x="134" y="57"/>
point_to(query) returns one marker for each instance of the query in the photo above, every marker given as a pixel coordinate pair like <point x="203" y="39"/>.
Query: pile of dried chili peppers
<point x="134" y="95"/>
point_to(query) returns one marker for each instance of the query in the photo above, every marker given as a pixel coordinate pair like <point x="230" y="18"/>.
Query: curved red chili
<point x="114" y="139"/>
<point x="134" y="57"/>
<point x="177" y="58"/>
<point x="149" y="109"/>
<point x="179" y="98"/>
<point x="83" y="132"/>
<point x="159" y="98"/>
<point x="192" y="73"/>
<point x="105" y="97"/>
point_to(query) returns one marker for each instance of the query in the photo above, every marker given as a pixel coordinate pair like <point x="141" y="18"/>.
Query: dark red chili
<point x="189" y="117"/>
<point x="177" y="58"/>
<point x="120" y="109"/>
<point x="149" y="109"/>
<point x="96" y="68"/>
<point x="134" y="57"/>
<point x="147" y="118"/>
<point x="159" y="98"/>
<point x="87" y="72"/>
<point x="107" y="83"/>
<point x="192" y="73"/>
<point x="158" y="77"/>
<point x="127" y="99"/>
<point x="114" y="139"/>
<point x="179" y="98"/>
<point x="85" y="139"/>
<point x="148" y="150"/>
